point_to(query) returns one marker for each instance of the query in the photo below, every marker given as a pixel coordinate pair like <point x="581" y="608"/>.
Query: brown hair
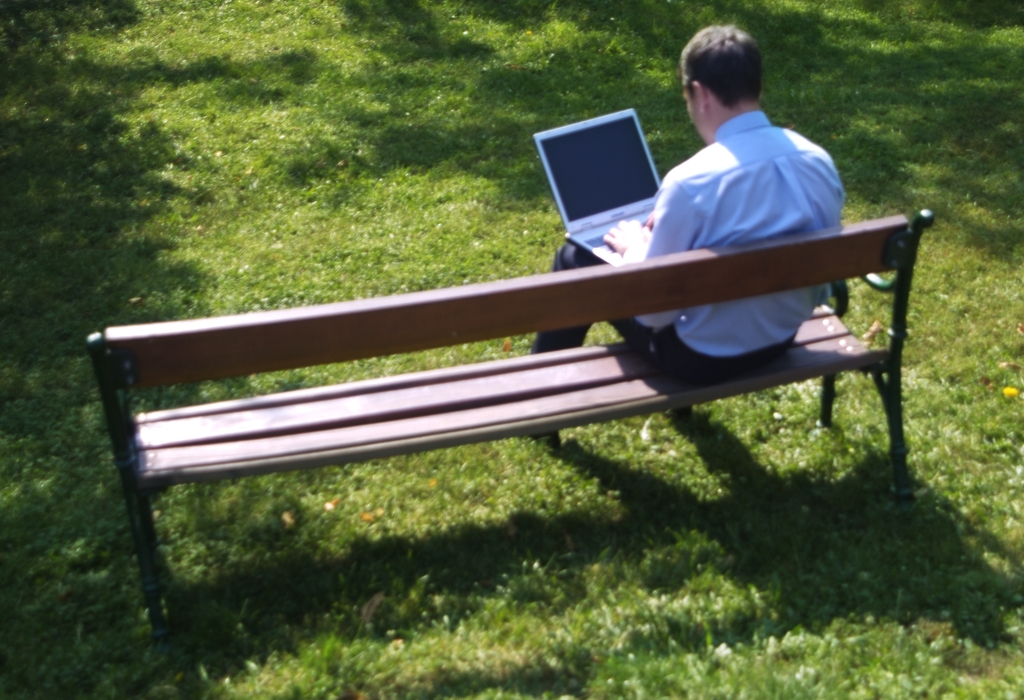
<point x="726" y="60"/>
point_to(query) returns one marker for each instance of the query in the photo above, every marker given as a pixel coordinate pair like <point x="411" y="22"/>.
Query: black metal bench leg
<point x="900" y="253"/>
<point x="115" y="372"/>
<point x="897" y="446"/>
<point x="840" y="293"/>
<point x="898" y="454"/>
<point x="892" y="398"/>
<point x="682" y="413"/>
<point x="140" y="515"/>
<point x="146" y="521"/>
<point x="553" y="439"/>
<point x="828" y="396"/>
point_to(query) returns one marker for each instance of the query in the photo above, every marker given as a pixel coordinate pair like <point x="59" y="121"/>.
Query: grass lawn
<point x="185" y="158"/>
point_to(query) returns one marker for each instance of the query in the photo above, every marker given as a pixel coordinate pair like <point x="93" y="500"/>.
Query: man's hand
<point x="628" y="234"/>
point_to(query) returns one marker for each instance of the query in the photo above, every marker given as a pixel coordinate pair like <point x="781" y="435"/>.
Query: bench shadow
<point x="821" y="549"/>
<point x="833" y="548"/>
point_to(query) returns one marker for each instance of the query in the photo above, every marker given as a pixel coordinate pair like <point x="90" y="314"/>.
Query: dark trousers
<point x="662" y="347"/>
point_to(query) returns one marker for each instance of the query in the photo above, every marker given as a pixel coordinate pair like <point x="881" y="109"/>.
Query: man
<point x="753" y="181"/>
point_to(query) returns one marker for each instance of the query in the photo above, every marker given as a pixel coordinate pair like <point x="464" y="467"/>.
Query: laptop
<point x="601" y="173"/>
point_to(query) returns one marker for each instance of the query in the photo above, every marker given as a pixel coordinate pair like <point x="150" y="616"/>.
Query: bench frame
<point x="183" y="351"/>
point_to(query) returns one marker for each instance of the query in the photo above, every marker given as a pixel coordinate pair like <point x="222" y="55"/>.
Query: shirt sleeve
<point x="676" y="220"/>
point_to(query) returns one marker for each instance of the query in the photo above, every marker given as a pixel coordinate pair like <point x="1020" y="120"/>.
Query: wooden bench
<point x="477" y="402"/>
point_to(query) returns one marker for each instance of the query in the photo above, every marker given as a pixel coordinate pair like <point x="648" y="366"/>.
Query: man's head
<point x="726" y="61"/>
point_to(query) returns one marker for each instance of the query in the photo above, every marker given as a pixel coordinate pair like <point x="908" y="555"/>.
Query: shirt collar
<point x="744" y="122"/>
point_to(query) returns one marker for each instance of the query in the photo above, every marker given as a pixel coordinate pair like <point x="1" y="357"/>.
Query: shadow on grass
<point x="77" y="185"/>
<point x="997" y="13"/>
<point x="820" y="550"/>
<point x="80" y="181"/>
<point x="895" y="109"/>
<point x="42" y="22"/>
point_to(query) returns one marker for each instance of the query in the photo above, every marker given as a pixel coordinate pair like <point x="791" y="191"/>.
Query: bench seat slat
<point x="401" y="403"/>
<point x="440" y="392"/>
<point x="165" y="466"/>
<point x="820" y="328"/>
<point x="808" y="333"/>
<point x="384" y="384"/>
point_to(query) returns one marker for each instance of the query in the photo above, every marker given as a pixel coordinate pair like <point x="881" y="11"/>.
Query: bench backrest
<point x="211" y="348"/>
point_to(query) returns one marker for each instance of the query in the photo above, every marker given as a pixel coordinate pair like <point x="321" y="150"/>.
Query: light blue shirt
<point x="756" y="181"/>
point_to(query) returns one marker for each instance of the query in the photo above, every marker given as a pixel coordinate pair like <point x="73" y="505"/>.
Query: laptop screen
<point x="600" y="168"/>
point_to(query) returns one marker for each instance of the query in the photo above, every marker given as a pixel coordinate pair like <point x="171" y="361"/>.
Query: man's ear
<point x="699" y="96"/>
